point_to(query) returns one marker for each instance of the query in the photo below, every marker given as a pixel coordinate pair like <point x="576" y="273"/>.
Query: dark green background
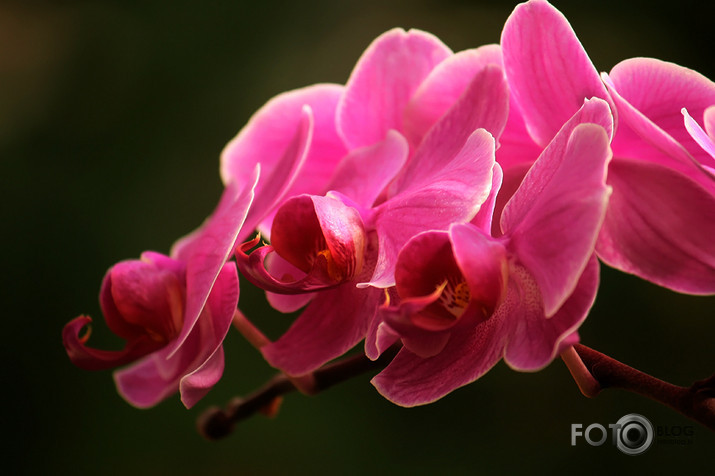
<point x="112" y="117"/>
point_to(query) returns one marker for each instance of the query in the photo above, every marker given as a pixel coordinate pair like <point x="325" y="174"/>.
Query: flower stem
<point x="252" y="334"/>
<point x="594" y="371"/>
<point x="216" y="423"/>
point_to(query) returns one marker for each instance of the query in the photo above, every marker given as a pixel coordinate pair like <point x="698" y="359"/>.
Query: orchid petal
<point x="659" y="90"/>
<point x="553" y="220"/>
<point x="410" y="380"/>
<point x="274" y="188"/>
<point x="702" y="139"/>
<point x="382" y="83"/>
<point x="536" y="339"/>
<point x="253" y="267"/>
<point x="443" y="87"/>
<point x="211" y="250"/>
<point x="709" y="121"/>
<point x="286" y="272"/>
<point x="453" y="193"/>
<point x="639" y="137"/>
<point x="364" y="173"/>
<point x="548" y="70"/>
<point x="270" y="132"/>
<point x="333" y="323"/>
<point x="483" y="262"/>
<point x="484" y="104"/>
<point x="659" y="226"/>
<point x="483" y="219"/>
<point x="379" y="338"/>
<point x="516" y="147"/>
<point x="195" y="385"/>
<point x="88" y="358"/>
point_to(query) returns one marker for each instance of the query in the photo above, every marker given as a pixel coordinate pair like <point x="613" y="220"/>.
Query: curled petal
<point x="308" y="228"/>
<point x="382" y="83"/>
<point x="88" y="358"/>
<point x="666" y="241"/>
<point x="253" y="267"/>
<point x="548" y="70"/>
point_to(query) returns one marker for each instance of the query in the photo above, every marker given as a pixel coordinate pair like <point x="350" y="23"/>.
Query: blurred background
<point x="112" y="118"/>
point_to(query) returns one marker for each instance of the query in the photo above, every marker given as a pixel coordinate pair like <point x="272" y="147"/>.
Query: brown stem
<point x="696" y="402"/>
<point x="216" y="423"/>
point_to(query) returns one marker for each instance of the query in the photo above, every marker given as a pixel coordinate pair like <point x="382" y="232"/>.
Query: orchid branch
<point x="216" y="423"/>
<point x="594" y="371"/>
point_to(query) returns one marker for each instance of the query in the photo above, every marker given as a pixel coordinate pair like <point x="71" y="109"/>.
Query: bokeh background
<point x="112" y="118"/>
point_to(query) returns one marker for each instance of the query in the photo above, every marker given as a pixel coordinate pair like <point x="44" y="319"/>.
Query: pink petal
<point x="484" y="104"/>
<point x="403" y="321"/>
<point x="379" y="338"/>
<point x="253" y="267"/>
<point x="148" y="297"/>
<point x="548" y="70"/>
<point x="535" y="339"/>
<point x="483" y="219"/>
<point x="210" y="250"/>
<point x="443" y="87"/>
<point x="709" y="120"/>
<point x="271" y="130"/>
<point x="410" y="380"/>
<point x="701" y="137"/>
<point x="382" y="83"/>
<point x="273" y="188"/>
<point x="285" y="272"/>
<point x="659" y="90"/>
<point x="453" y="191"/>
<point x="659" y="226"/>
<point x="483" y="262"/>
<point x="364" y="173"/>
<point x="332" y="324"/>
<point x="639" y="137"/>
<point x="158" y="376"/>
<point x="88" y="358"/>
<point x="195" y="385"/>
<point x="552" y="221"/>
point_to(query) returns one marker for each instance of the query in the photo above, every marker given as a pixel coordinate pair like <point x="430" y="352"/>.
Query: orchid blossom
<point x="335" y="251"/>
<point x="465" y="299"/>
<point x="173" y="314"/>
<point x="661" y="216"/>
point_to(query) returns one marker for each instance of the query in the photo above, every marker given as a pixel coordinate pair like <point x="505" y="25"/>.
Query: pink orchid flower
<point x="174" y="312"/>
<point x="333" y="251"/>
<point x="466" y="299"/>
<point x="661" y="216"/>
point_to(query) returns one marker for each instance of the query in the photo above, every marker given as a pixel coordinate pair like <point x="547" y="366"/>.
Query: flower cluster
<point x="455" y="205"/>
